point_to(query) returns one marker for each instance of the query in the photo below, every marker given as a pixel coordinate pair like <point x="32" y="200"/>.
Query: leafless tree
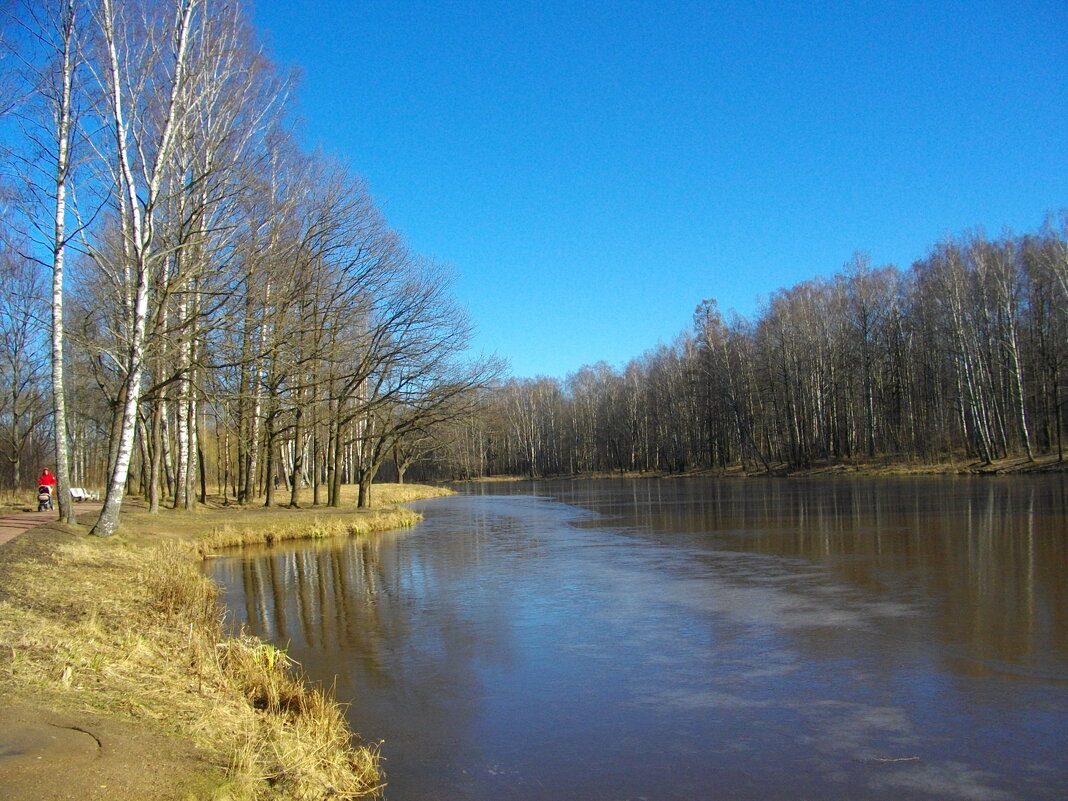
<point x="959" y="355"/>
<point x="24" y="404"/>
<point x="48" y="43"/>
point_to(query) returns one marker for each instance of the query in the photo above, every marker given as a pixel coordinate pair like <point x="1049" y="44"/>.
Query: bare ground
<point x="51" y="752"/>
<point x="60" y="755"/>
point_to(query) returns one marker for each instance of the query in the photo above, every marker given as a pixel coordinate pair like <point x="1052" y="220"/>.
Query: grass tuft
<point x="17" y="500"/>
<point x="129" y="626"/>
<point x="270" y="526"/>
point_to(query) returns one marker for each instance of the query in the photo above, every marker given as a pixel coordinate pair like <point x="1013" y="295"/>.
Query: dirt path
<point x="48" y="753"/>
<point x="13" y="525"/>
<point x="81" y="756"/>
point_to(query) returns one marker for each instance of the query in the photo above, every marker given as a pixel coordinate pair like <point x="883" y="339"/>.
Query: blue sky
<point x="592" y="171"/>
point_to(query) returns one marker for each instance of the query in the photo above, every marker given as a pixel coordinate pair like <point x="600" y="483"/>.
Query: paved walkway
<point x="13" y="525"/>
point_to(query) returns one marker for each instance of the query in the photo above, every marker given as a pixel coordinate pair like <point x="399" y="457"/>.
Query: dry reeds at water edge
<point x="265" y="529"/>
<point x="296" y="740"/>
<point x="258" y="526"/>
<point x="309" y="743"/>
<point x="137" y="633"/>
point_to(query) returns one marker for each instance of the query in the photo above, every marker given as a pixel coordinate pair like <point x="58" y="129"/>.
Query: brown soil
<point x="81" y="756"/>
<point x="47" y="752"/>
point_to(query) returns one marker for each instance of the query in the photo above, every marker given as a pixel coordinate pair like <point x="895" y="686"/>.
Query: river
<point x="691" y="639"/>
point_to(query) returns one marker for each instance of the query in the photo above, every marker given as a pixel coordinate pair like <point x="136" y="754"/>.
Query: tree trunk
<point x="334" y="474"/>
<point x="269" y="461"/>
<point x="59" y="246"/>
<point x="139" y="229"/>
<point x="366" y="478"/>
<point x="155" y="432"/>
<point x="109" y="516"/>
<point x="298" y="454"/>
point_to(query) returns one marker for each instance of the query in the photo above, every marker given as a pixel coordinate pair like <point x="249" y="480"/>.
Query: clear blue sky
<point x="593" y="170"/>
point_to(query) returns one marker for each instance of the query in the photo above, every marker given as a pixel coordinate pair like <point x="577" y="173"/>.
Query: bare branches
<point x="963" y="356"/>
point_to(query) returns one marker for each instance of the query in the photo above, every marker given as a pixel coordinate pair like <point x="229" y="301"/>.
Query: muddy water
<point x="695" y="639"/>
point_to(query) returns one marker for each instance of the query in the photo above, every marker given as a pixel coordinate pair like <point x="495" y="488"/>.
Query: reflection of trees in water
<point x="985" y="558"/>
<point x="990" y="553"/>
<point x="323" y="597"/>
<point x="373" y="614"/>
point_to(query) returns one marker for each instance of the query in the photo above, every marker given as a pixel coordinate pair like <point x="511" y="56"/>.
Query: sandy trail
<point x="78" y="755"/>
<point x="13" y="525"/>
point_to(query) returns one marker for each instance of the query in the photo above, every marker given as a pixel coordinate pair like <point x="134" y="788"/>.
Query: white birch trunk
<point x="181" y="486"/>
<point x="257" y="405"/>
<point x="59" y="403"/>
<point x="140" y="231"/>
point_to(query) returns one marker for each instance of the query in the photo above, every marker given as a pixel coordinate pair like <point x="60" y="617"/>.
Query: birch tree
<point x="49" y="48"/>
<point x="996" y="269"/>
<point x="137" y="69"/>
<point x="239" y="99"/>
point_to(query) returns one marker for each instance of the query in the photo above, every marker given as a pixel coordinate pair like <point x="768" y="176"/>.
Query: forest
<point x="961" y="356"/>
<point x="202" y="307"/>
<point x="188" y="295"/>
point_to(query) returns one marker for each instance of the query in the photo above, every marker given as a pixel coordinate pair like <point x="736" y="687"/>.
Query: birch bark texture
<point x="142" y="152"/>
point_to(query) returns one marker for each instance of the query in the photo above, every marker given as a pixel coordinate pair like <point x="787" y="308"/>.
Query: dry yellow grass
<point x="215" y="527"/>
<point x="129" y="626"/>
<point x="275" y="527"/>
<point x="387" y="494"/>
<point x="17" y="500"/>
<point x="146" y="642"/>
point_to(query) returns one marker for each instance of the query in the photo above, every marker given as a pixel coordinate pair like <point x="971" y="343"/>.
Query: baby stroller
<point x="44" y="498"/>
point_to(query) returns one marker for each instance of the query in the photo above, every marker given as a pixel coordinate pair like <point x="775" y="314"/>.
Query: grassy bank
<point x="129" y="628"/>
<point x="12" y="501"/>
<point x="213" y="527"/>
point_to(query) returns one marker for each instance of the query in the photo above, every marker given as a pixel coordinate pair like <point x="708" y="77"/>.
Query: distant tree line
<point x="191" y="303"/>
<point x="963" y="355"/>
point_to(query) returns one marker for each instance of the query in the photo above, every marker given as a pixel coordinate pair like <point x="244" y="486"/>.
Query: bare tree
<point x="24" y="404"/>
<point x="144" y="135"/>
<point x="1002" y="283"/>
<point x="50" y="51"/>
<point x="963" y="353"/>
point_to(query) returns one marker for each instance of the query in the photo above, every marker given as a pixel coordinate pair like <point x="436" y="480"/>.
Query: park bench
<point x="79" y="494"/>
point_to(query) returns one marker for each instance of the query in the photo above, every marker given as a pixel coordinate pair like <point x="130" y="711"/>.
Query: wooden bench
<point x="79" y="495"/>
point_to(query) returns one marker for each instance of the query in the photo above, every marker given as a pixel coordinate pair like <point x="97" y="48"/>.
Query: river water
<point x="694" y="639"/>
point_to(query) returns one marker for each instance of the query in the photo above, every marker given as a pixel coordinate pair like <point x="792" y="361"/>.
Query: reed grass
<point x="270" y="527"/>
<point x="138" y="632"/>
<point x="389" y="494"/>
<point x="214" y="526"/>
<point x="129" y="626"/>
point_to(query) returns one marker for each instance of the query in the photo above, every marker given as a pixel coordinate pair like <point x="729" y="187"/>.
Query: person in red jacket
<point x="46" y="488"/>
<point x="46" y="479"/>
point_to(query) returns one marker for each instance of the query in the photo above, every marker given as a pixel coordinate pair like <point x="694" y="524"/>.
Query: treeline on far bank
<point x="961" y="356"/>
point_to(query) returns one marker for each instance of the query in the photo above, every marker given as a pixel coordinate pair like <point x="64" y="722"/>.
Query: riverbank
<point x="117" y="648"/>
<point x="964" y="467"/>
<point x="1015" y="465"/>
